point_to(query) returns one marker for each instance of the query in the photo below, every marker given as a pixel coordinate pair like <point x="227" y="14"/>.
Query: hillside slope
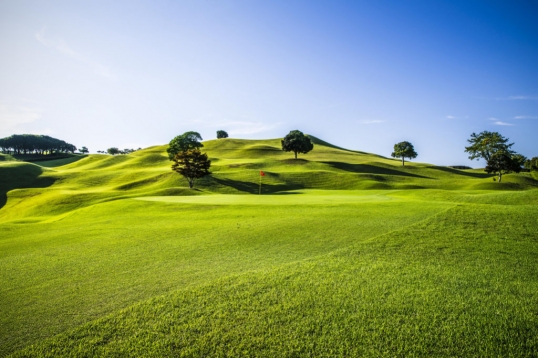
<point x="115" y="256"/>
<point x="46" y="192"/>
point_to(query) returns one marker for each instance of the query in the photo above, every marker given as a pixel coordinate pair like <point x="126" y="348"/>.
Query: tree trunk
<point x="295" y="155"/>
<point x="403" y="161"/>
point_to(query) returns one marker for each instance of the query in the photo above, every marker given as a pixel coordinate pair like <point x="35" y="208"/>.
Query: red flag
<point x="262" y="173"/>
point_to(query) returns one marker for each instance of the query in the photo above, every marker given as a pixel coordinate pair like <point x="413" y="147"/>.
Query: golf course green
<point x="344" y="253"/>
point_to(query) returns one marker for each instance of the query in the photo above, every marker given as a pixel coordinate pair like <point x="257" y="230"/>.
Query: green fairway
<point x="291" y="198"/>
<point x="344" y="254"/>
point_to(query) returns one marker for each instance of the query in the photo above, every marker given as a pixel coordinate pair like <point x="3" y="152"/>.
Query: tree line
<point x="116" y="151"/>
<point x="35" y="144"/>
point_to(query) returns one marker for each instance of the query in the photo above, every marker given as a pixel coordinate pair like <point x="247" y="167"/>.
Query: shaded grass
<point x="60" y="162"/>
<point x="21" y="175"/>
<point x="6" y="158"/>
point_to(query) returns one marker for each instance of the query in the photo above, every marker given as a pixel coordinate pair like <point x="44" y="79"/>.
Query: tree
<point x="191" y="164"/>
<point x="502" y="162"/>
<point x="221" y="134"/>
<point x="532" y="164"/>
<point x="113" y="151"/>
<point x="485" y="144"/>
<point x="520" y="159"/>
<point x="297" y="142"/>
<point x="184" y="142"/>
<point x="84" y="150"/>
<point x="404" y="150"/>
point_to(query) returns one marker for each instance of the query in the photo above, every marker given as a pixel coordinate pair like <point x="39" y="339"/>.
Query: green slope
<point x="116" y="256"/>
<point x="387" y="278"/>
<point x="236" y="164"/>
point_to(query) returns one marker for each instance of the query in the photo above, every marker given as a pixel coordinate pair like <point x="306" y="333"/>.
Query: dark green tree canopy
<point x="84" y="150"/>
<point x="519" y="159"/>
<point x="221" y="134"/>
<point x="532" y="164"/>
<point x="503" y="162"/>
<point x="113" y="151"/>
<point x="404" y="150"/>
<point x="184" y="142"/>
<point x="192" y="165"/>
<point x="34" y="144"/>
<point x="297" y="142"/>
<point x="485" y="144"/>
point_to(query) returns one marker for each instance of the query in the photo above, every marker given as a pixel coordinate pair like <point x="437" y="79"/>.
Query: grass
<point x="113" y="256"/>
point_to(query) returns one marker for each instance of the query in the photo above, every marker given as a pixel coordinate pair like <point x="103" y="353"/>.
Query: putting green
<point x="296" y="198"/>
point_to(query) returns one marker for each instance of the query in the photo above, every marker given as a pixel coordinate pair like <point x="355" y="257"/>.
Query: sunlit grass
<point x="116" y="256"/>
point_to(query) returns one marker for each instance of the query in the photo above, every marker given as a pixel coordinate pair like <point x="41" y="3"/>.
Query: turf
<point x="114" y="256"/>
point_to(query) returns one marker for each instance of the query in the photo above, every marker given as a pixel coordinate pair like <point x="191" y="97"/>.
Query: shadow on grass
<point x="293" y="161"/>
<point x="253" y="188"/>
<point x="17" y="177"/>
<point x="371" y="169"/>
<point x="461" y="172"/>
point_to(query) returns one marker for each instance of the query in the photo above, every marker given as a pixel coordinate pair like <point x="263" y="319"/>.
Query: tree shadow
<point x="17" y="177"/>
<point x="253" y="188"/>
<point x="293" y="161"/>
<point x="371" y="169"/>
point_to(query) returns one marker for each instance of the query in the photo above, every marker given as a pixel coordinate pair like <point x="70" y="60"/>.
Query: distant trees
<point x="84" y="150"/>
<point x="485" y="144"/>
<point x="113" y="151"/>
<point x="221" y="134"/>
<point x="531" y="164"/>
<point x="34" y="144"/>
<point x="184" y="142"/>
<point x="404" y="150"/>
<point x="116" y="151"/>
<point x="191" y="164"/>
<point x="503" y="162"/>
<point x="297" y="142"/>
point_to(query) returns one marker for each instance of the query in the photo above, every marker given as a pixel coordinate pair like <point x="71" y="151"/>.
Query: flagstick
<point x="260" y="191"/>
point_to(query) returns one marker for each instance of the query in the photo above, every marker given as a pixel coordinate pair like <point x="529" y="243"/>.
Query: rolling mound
<point x="72" y="183"/>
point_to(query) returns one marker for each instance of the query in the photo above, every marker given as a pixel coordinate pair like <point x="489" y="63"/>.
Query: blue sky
<point x="362" y="75"/>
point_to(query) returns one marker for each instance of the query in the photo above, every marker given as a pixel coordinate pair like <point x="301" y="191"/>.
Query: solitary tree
<point x="221" y="134"/>
<point x="404" y="150"/>
<point x="113" y="151"/>
<point x="485" y="144"/>
<point x="503" y="162"/>
<point x="84" y="150"/>
<point x="184" y="142"/>
<point x="191" y="164"/>
<point x="297" y="142"/>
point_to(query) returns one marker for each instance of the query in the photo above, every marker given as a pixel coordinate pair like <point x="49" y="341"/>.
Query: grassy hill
<point x="115" y="256"/>
<point x="81" y="181"/>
